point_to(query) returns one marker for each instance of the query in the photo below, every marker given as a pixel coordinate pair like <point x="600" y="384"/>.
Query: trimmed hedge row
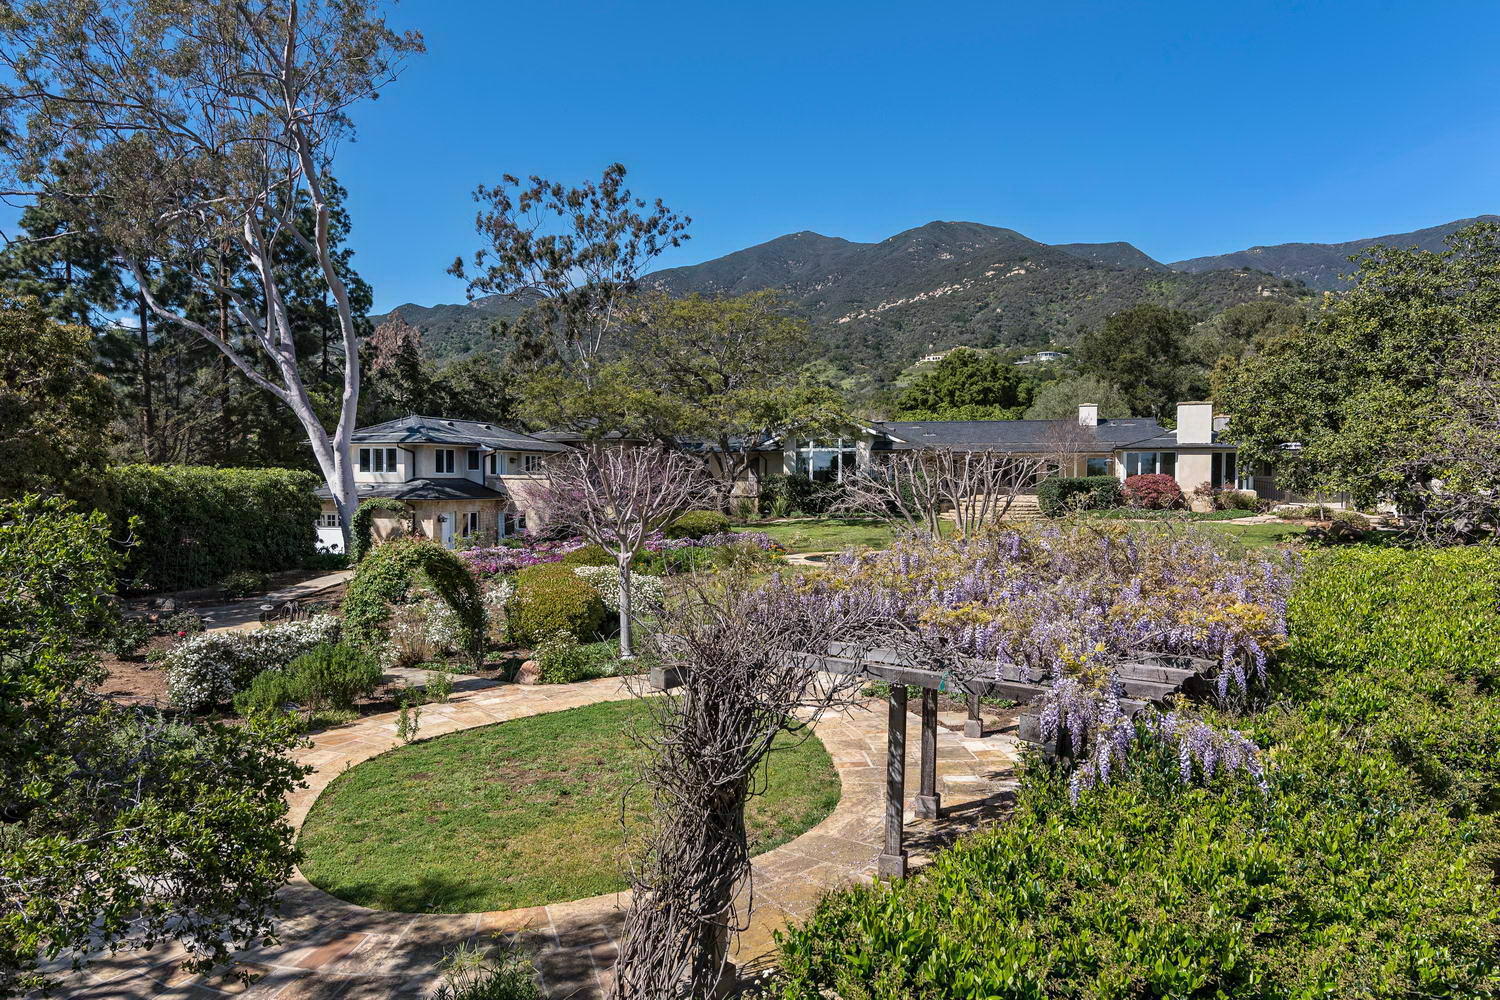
<point x="1061" y="494"/>
<point x="1365" y="871"/>
<point x="199" y="524"/>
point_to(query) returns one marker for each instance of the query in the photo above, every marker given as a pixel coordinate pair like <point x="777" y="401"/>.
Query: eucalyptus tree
<point x="198" y="133"/>
<point x="575" y="255"/>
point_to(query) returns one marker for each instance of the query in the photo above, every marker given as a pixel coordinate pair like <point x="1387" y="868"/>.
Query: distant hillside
<point x="1319" y="265"/>
<point x="450" y="331"/>
<point x="878" y="306"/>
<point x="1112" y="255"/>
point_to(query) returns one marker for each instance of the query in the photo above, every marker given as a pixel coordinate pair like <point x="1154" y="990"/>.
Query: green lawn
<point x="521" y="813"/>
<point x="1257" y="535"/>
<point x="827" y="534"/>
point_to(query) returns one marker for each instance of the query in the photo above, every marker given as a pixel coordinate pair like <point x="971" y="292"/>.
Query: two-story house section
<point x="462" y="479"/>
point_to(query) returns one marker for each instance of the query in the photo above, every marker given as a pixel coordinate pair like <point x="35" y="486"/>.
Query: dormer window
<point x="443" y="461"/>
<point x="377" y="460"/>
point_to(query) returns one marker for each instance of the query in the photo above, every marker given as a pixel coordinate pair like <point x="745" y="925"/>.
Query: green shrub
<point x="589" y="555"/>
<point x="209" y="668"/>
<point x="362" y="525"/>
<point x="129" y="637"/>
<point x="561" y="659"/>
<point x="1363" y="872"/>
<point x="471" y="973"/>
<point x="327" y="676"/>
<point x="326" y="562"/>
<point x="549" y="600"/>
<point x="244" y="582"/>
<point x="1060" y="494"/>
<point x="797" y="494"/>
<point x="199" y="524"/>
<point x="697" y="523"/>
<point x="390" y="574"/>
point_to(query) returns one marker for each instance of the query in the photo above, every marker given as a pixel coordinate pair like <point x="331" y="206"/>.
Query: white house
<point x="461" y="479"/>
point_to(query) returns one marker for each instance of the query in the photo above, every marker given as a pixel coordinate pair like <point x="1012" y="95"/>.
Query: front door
<point x="449" y="520"/>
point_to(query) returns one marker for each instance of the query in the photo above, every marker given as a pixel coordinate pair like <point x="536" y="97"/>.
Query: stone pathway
<point x="333" y="949"/>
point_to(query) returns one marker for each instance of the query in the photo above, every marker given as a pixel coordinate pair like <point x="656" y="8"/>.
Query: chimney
<point x="1195" y="423"/>
<point x="1088" y="414"/>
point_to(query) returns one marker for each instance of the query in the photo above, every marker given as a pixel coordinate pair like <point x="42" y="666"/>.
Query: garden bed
<point x="521" y="813"/>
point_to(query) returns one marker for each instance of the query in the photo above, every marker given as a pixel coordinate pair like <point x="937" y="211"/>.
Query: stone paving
<point x="332" y="949"/>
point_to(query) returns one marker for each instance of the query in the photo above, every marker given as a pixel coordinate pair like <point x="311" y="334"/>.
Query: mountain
<point x="1319" y="265"/>
<point x="1112" y="255"/>
<point x="450" y="331"/>
<point x="877" y="306"/>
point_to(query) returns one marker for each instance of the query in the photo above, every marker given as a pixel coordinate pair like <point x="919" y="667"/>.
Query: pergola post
<point x="892" y="860"/>
<point x="974" y="725"/>
<point x="929" y="803"/>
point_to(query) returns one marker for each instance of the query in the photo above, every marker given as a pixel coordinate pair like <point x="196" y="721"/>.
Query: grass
<point x="521" y="813"/>
<point x="1259" y="535"/>
<point x="827" y="534"/>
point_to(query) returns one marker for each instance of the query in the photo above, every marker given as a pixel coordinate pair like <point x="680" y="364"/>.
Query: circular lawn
<point x="520" y="813"/>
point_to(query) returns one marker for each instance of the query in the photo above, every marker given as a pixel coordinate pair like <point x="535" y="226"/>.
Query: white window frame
<point x="329" y="519"/>
<point x="1136" y="463"/>
<point x="531" y="464"/>
<point x="1109" y="465"/>
<point x="470" y="523"/>
<point x="442" y="461"/>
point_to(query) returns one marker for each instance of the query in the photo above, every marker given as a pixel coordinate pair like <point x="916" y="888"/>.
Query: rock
<point x="530" y="673"/>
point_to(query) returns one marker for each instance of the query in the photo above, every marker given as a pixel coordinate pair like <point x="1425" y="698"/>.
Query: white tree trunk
<point x="626" y="651"/>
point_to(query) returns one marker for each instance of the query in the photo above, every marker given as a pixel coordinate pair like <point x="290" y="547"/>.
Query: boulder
<point x="530" y="673"/>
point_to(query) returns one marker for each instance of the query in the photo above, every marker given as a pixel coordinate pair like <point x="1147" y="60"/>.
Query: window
<point x="377" y="460"/>
<point x="470" y="523"/>
<point x="827" y="463"/>
<point x="531" y="463"/>
<point x="443" y="460"/>
<point x="494" y="463"/>
<point x="1097" y="466"/>
<point x="1141" y="463"/>
<point x="473" y="460"/>
<point x="329" y="519"/>
<point x="515" y="522"/>
<point x="1224" y="472"/>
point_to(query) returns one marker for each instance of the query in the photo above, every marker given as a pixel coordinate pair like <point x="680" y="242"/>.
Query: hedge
<point x="1365" y="871"/>
<point x="698" y="523"/>
<point x="199" y="524"/>
<point x="1060" y="494"/>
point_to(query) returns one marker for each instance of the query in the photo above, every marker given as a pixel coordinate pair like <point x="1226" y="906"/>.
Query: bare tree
<point x="616" y="496"/>
<point x="199" y="136"/>
<point x="921" y="486"/>
<point x="578" y="253"/>
<point x="733" y="649"/>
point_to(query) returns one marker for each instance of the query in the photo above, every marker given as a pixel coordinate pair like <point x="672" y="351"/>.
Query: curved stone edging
<point x="333" y="948"/>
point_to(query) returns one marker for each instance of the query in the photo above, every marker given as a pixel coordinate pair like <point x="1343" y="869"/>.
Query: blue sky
<point x="1186" y="128"/>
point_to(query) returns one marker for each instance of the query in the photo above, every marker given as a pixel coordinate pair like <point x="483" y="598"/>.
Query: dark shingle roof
<point x="422" y="489"/>
<point x="441" y="430"/>
<point x="1013" y="435"/>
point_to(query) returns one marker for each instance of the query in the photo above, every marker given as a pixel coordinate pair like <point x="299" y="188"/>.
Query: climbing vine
<point x="386" y="576"/>
<point x="362" y="526"/>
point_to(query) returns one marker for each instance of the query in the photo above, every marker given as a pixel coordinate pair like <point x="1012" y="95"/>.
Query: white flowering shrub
<point x="646" y="592"/>
<point x="209" y="668"/>
<point x="420" y="631"/>
<point x="496" y="595"/>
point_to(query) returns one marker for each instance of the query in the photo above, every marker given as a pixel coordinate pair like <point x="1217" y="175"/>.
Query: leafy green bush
<point x="549" y="600"/>
<point x="209" y="668"/>
<point x="561" y="659"/>
<point x="1058" y="495"/>
<point x="797" y="494"/>
<point x="469" y="973"/>
<point x="129" y="637"/>
<point x="697" y="523"/>
<point x="243" y="583"/>
<point x="199" y="524"/>
<point x="1363" y="872"/>
<point x="589" y="555"/>
<point x="326" y="562"/>
<point x="327" y="676"/>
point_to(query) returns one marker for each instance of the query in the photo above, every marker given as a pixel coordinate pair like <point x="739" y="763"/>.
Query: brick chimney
<point x="1088" y="414"/>
<point x="1195" y="423"/>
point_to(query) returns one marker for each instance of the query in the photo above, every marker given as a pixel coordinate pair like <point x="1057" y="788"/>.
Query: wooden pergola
<point x="1145" y="676"/>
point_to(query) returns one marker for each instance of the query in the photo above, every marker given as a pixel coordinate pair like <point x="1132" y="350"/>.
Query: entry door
<point x="449" y="520"/>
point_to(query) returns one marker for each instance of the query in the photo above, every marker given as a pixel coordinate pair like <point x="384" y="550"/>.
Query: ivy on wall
<point x="361" y="527"/>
